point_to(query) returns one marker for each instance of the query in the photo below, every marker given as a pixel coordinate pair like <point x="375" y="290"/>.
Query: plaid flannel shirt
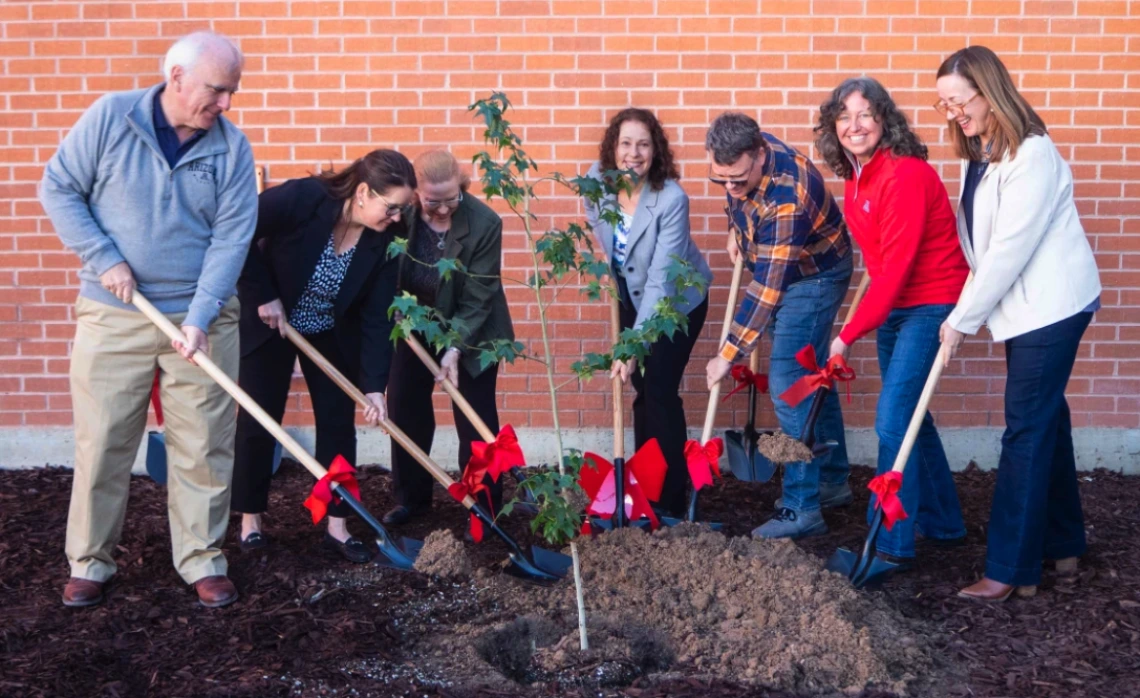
<point x="789" y="229"/>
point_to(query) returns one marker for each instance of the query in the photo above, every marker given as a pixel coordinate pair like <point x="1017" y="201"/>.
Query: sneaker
<point x="789" y="523"/>
<point x="830" y="497"/>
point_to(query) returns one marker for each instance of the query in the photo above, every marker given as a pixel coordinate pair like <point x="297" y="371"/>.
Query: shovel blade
<point x="842" y="561"/>
<point x="670" y="521"/>
<point x="608" y="524"/>
<point x="875" y="574"/>
<point x="544" y="567"/>
<point x="745" y="460"/>
<point x="400" y="555"/>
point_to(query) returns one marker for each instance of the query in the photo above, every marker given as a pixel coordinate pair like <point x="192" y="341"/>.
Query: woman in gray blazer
<point x="654" y="228"/>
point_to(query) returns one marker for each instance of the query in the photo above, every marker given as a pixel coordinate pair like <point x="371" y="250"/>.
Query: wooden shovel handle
<point x="259" y="172"/>
<point x="295" y="449"/>
<point x="347" y="386"/>
<point x="729" y="312"/>
<point x="859" y="293"/>
<point x="453" y="392"/>
<point x="618" y="398"/>
<point x="916" y="419"/>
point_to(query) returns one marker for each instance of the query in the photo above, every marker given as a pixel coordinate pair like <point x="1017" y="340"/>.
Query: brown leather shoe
<point x="216" y="591"/>
<point x="82" y="592"/>
<point x="988" y="590"/>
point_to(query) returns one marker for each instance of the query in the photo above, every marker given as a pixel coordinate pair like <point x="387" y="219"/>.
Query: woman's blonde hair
<point x="439" y="166"/>
<point x="1014" y="119"/>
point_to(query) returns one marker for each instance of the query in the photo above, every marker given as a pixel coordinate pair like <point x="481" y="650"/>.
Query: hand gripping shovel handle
<point x="451" y="390"/>
<point x="397" y="556"/>
<point x="729" y="311"/>
<point x="517" y="557"/>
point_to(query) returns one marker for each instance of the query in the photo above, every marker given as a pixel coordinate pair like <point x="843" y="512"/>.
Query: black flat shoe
<point x="400" y="515"/>
<point x="254" y="541"/>
<point x="353" y="549"/>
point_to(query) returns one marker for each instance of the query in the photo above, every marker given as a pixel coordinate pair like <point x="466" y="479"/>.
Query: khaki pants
<point x="112" y="369"/>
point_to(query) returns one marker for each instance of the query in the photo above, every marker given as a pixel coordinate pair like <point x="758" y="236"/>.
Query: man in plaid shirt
<point x="798" y="252"/>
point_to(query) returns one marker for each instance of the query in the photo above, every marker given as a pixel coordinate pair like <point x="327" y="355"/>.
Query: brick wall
<point x="329" y="80"/>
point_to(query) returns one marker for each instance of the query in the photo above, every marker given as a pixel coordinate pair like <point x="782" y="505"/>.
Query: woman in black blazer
<point x="319" y="262"/>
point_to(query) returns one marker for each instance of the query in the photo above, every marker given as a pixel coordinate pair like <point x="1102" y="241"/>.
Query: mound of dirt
<point x="443" y="555"/>
<point x="781" y="448"/>
<point x="761" y="612"/>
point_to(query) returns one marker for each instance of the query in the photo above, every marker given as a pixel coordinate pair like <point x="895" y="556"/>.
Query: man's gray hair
<point x="187" y="50"/>
<point x="731" y="135"/>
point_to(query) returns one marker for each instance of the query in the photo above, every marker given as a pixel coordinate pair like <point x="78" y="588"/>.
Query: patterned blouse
<point x="621" y="238"/>
<point x="313" y="313"/>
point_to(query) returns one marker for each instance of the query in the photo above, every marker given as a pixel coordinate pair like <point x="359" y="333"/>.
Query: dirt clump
<point x="760" y="612"/>
<point x="443" y="555"/>
<point x="781" y="448"/>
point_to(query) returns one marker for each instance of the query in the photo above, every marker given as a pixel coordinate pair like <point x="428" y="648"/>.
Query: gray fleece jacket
<point x="113" y="197"/>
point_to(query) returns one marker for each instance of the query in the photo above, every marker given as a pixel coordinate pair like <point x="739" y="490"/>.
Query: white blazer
<point x="1032" y="262"/>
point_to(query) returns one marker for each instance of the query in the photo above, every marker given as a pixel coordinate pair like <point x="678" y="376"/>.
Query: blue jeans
<point x="1036" y="511"/>
<point x="908" y="345"/>
<point x="805" y="316"/>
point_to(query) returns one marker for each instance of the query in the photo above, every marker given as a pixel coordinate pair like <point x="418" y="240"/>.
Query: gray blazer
<point x="660" y="230"/>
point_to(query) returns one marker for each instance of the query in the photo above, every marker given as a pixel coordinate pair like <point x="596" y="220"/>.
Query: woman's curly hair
<point x="662" y="168"/>
<point x="897" y="136"/>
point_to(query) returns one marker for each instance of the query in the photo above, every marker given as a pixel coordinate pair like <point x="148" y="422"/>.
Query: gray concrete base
<point x="1115" y="449"/>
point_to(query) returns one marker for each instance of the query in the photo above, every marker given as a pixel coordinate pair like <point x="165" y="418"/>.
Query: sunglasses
<point x="726" y="183"/>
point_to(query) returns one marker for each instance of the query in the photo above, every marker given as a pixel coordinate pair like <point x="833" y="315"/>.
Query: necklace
<point x="440" y="238"/>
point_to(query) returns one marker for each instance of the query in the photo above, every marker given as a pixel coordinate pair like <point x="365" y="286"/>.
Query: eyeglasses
<point x="946" y="109"/>
<point x="449" y="203"/>
<point x="726" y="183"/>
<point x="389" y="209"/>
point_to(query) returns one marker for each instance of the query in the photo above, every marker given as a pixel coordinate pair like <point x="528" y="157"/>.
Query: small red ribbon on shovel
<point x="744" y="378"/>
<point x="703" y="461"/>
<point x="836" y="369"/>
<point x="500" y="455"/>
<point x="340" y="471"/>
<point x="471" y="483"/>
<point x="644" y="477"/>
<point x="886" y="487"/>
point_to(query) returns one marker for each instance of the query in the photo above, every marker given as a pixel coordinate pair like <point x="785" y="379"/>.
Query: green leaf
<point x="397" y="247"/>
<point x="446" y="266"/>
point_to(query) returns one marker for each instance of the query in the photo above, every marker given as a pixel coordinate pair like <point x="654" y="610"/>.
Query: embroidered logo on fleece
<point x="203" y="171"/>
<point x="866" y="206"/>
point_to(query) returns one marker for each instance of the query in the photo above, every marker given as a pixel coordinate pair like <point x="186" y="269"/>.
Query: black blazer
<point x="294" y="222"/>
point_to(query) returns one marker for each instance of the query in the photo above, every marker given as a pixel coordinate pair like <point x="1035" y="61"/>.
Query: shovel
<point x="649" y="451"/>
<point x="714" y="396"/>
<point x="866" y="568"/>
<point x="400" y="555"/>
<point x="546" y="565"/>
<point x="529" y="506"/>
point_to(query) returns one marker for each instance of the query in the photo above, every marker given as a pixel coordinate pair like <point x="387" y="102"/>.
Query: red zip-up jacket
<point x="897" y="210"/>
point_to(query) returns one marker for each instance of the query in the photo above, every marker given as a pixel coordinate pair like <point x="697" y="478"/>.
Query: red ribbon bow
<point x="886" y="487"/>
<point x="156" y="399"/>
<point x="500" y="455"/>
<point x="341" y="472"/>
<point x="703" y="461"/>
<point x="644" y="477"/>
<point x="471" y="483"/>
<point x="744" y="378"/>
<point x="818" y="377"/>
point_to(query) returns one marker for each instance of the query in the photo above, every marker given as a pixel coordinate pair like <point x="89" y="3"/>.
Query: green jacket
<point x="476" y="240"/>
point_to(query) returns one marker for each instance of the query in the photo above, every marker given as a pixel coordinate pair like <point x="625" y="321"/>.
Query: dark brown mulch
<point x="298" y="632"/>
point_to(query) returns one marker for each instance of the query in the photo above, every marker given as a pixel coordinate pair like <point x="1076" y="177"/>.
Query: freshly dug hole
<point x="781" y="448"/>
<point x="761" y="612"/>
<point x="443" y="555"/>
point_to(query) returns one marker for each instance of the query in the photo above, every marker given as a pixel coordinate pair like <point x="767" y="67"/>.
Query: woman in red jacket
<point x="897" y="210"/>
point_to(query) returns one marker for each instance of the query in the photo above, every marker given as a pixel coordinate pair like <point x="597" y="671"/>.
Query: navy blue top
<point x="168" y="137"/>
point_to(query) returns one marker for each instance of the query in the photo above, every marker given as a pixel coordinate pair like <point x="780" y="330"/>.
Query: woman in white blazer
<point x="653" y="229"/>
<point x="1036" y="287"/>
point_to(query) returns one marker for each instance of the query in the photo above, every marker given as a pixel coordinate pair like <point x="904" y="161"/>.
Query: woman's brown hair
<point x="1014" y="119"/>
<point x="662" y="167"/>
<point x="897" y="136"/>
<point x="381" y="170"/>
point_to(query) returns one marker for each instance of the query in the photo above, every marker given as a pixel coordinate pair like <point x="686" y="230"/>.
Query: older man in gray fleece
<point x="154" y="189"/>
